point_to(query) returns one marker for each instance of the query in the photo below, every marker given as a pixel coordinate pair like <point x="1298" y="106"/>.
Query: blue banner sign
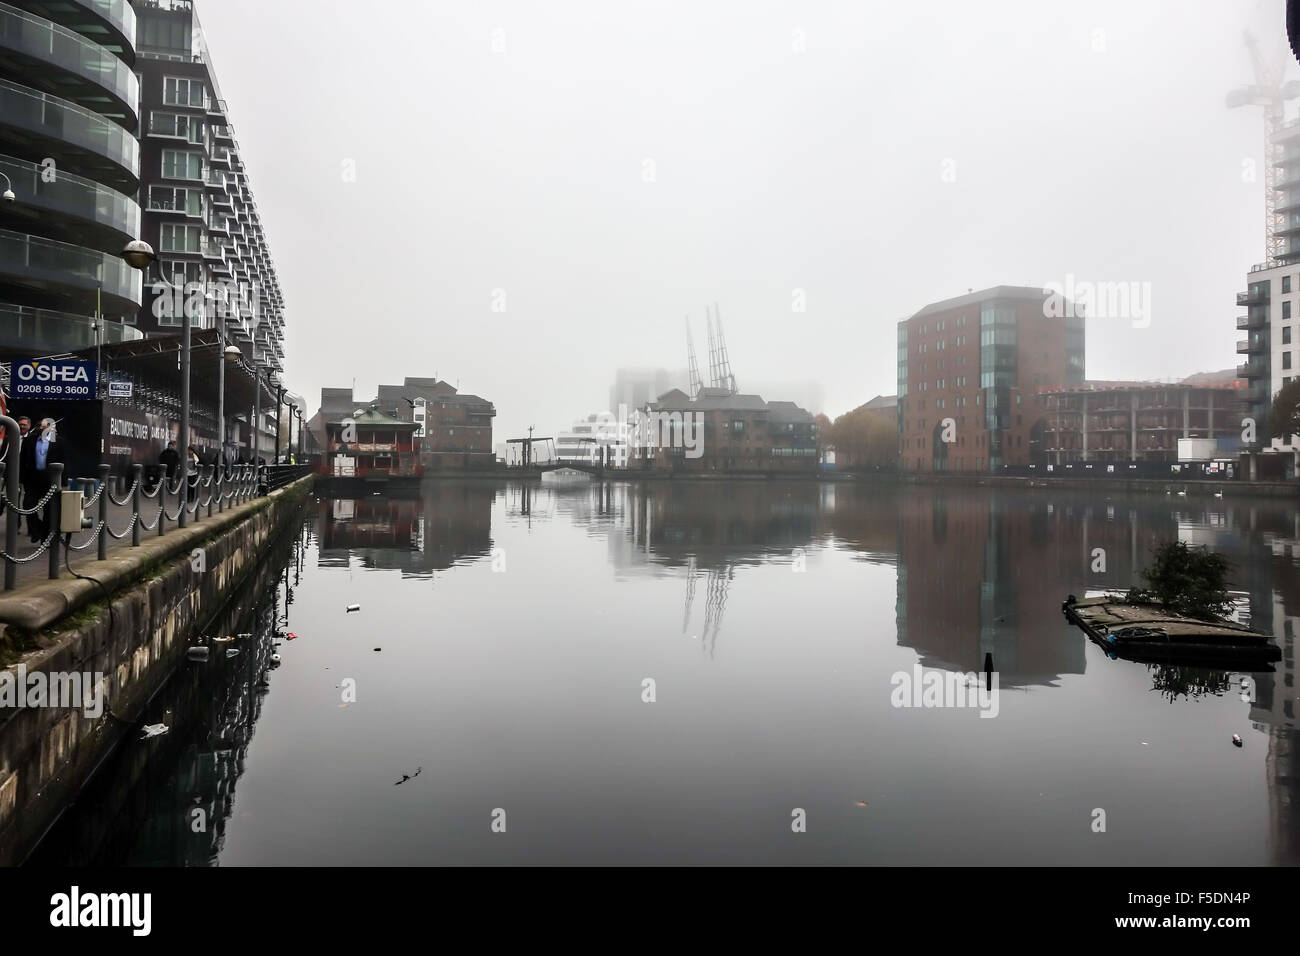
<point x="52" y="378"/>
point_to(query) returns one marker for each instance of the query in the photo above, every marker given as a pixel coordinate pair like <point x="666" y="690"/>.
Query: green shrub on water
<point x="1188" y="581"/>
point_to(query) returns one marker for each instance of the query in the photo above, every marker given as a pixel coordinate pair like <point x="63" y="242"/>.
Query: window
<point x="181" y="273"/>
<point x="175" y="199"/>
<point x="1286" y="359"/>
<point x="170" y="34"/>
<point x="1286" y="335"/>
<point x="177" y="124"/>
<point x="178" y="238"/>
<point x="1286" y="283"/>
<point x="180" y="91"/>
<point x="177" y="164"/>
<point x="1286" y="310"/>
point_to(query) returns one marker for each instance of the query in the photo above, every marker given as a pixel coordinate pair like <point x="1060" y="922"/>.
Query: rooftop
<point x="1026" y="293"/>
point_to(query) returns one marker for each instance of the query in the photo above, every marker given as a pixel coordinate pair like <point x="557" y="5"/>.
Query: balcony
<point x="70" y="271"/>
<point x="50" y="45"/>
<point x="1252" y="369"/>
<point x="26" y="331"/>
<point x="62" y="123"/>
<point x="119" y="15"/>
<point x="113" y="218"/>
<point x="1253" y="320"/>
<point x="1253" y="297"/>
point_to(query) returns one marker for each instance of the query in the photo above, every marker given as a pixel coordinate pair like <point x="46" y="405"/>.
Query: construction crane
<point x="713" y="348"/>
<point x="725" y="378"/>
<point x="1269" y="92"/>
<point x="692" y="363"/>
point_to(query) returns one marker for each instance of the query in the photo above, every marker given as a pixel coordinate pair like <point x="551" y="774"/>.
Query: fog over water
<point x="870" y="157"/>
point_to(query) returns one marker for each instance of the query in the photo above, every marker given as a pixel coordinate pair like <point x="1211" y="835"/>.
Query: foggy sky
<point x="1087" y="137"/>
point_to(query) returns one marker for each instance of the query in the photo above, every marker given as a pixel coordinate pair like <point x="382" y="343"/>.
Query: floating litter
<point x="275" y="658"/>
<point x="862" y="803"/>
<point x="290" y="636"/>
<point x="153" y="730"/>
<point x="353" y="607"/>
<point x="222" y="640"/>
<point x="197" y="653"/>
<point x="232" y="652"/>
<point x="379" y="648"/>
<point x="1236" y="740"/>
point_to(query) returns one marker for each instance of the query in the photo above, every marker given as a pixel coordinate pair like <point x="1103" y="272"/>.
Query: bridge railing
<point x="146" y="505"/>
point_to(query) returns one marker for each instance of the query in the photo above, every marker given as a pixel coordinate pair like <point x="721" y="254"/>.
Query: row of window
<point x="939" y="326"/>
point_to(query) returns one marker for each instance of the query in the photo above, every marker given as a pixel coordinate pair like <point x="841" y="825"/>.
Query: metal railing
<point x="153" y="504"/>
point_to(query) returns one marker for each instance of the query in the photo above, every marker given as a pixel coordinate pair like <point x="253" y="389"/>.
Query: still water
<point x="506" y="633"/>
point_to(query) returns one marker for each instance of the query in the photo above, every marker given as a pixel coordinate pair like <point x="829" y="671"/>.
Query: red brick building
<point x="969" y="373"/>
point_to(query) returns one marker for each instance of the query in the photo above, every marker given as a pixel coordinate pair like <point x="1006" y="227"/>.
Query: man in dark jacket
<point x="39" y="450"/>
<point x="24" y="429"/>
<point x="169" y="460"/>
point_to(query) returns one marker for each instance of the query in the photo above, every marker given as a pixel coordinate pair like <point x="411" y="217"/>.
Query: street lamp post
<point x="232" y="355"/>
<point x="140" y="255"/>
<point x="288" y="445"/>
<point x="279" y="402"/>
<point x="298" y="411"/>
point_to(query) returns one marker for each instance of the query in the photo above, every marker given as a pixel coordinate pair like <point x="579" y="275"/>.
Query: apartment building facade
<point x="199" y="212"/>
<point x="722" y="431"/>
<point x="1136" y="421"/>
<point x="453" y="430"/>
<point x="969" y="372"/>
<point x="69" y="153"/>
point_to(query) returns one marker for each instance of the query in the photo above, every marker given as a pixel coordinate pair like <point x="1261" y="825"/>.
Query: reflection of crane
<point x="690" y="592"/>
<point x="1269" y="92"/>
<point x="715" y="605"/>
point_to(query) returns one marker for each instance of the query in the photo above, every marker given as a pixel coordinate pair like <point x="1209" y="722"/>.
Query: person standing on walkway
<point x="34" y="458"/>
<point x="24" y="429"/>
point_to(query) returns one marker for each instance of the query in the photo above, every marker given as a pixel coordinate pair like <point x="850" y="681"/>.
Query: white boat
<point x="565" y="476"/>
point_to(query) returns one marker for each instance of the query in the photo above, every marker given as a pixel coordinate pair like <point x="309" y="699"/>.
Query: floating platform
<point x="566" y="476"/>
<point x="1147" y="633"/>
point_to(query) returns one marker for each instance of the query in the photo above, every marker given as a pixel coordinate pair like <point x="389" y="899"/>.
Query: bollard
<point x="162" y="502"/>
<point x="103" y="510"/>
<point x="55" y="471"/>
<point x="211" y="483"/>
<point x="184" y="501"/>
<point x="137" y="476"/>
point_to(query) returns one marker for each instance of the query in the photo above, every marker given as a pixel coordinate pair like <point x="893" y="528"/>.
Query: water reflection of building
<point x="985" y="573"/>
<point x="447" y="522"/>
<point x="168" y="803"/>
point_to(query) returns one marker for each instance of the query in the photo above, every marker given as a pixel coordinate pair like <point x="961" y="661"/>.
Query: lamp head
<point x="9" y="195"/>
<point x="138" y="254"/>
<point x="232" y="353"/>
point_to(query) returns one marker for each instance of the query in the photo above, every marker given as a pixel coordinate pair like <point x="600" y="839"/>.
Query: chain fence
<point x="58" y="509"/>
